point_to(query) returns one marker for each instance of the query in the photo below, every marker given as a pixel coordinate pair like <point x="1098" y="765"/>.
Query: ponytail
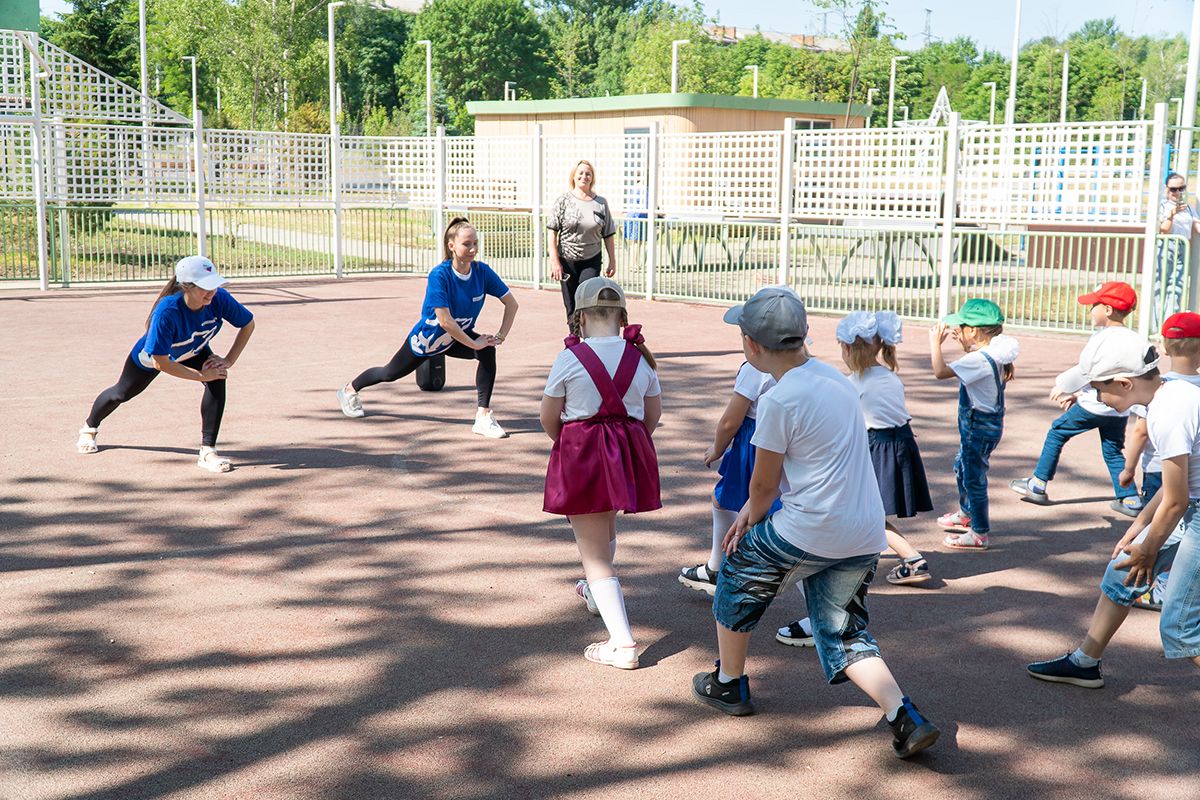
<point x="171" y="288"/>
<point x="607" y="312"/>
<point x="452" y="231"/>
<point x="888" y="353"/>
<point x="1007" y="371"/>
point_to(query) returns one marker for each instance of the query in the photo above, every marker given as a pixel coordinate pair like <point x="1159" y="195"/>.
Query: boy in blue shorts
<point x="828" y="534"/>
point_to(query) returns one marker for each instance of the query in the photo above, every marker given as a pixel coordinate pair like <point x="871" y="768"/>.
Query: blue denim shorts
<point x="835" y="589"/>
<point x="1179" y="624"/>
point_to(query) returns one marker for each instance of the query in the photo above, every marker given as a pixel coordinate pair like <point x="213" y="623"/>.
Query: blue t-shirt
<point x="178" y="332"/>
<point x="463" y="295"/>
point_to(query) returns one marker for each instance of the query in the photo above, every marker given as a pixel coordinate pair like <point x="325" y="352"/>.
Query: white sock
<point x="611" y="603"/>
<point x="1082" y="659"/>
<point x="722" y="521"/>
<point x="891" y="715"/>
<point x="723" y="678"/>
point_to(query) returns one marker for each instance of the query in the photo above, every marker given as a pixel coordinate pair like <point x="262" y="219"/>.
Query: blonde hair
<point x="609" y="312"/>
<point x="862" y="354"/>
<point x="1188" y="347"/>
<point x="456" y="224"/>
<point x="574" y="169"/>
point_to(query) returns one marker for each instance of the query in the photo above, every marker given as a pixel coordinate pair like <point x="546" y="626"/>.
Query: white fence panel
<point x="77" y="90"/>
<point x="620" y="161"/>
<point x="1074" y="173"/>
<point x="388" y="171"/>
<point x="489" y="172"/>
<point x="731" y="174"/>
<point x="879" y="173"/>
<point x="118" y="163"/>
<point x="258" y="167"/>
<point x="13" y="92"/>
<point x="16" y="161"/>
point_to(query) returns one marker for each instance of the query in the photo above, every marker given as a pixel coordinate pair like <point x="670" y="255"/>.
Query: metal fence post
<point x="949" y="214"/>
<point x="57" y="158"/>
<point x="651" y="209"/>
<point x="536" y="206"/>
<point x="198" y="175"/>
<point x="1158" y="130"/>
<point x="335" y="186"/>
<point x="439" y="191"/>
<point x="39" y="176"/>
<point x="787" y="178"/>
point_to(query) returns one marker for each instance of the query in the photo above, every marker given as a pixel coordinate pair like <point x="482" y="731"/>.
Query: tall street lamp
<point x="1010" y="107"/>
<point x="754" y="68"/>
<point x="428" y="86"/>
<point x="1142" y="104"/>
<point x="332" y="33"/>
<point x="1189" y="92"/>
<point x="992" y="106"/>
<point x="675" y="63"/>
<point x="892" y="90"/>
<point x="195" y="86"/>
<point x="1066" y="79"/>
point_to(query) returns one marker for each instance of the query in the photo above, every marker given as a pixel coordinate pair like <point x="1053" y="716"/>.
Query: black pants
<point x="134" y="380"/>
<point x="406" y="361"/>
<point x="575" y="273"/>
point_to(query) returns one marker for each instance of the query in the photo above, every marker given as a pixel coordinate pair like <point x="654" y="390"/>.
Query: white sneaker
<point x="486" y="425"/>
<point x="351" y="405"/>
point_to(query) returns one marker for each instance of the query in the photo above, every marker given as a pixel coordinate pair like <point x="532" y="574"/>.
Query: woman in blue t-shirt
<point x="454" y="299"/>
<point x="186" y="316"/>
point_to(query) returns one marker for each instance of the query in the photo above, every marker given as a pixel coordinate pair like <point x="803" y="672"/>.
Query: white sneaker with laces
<point x="486" y="425"/>
<point x="351" y="405"/>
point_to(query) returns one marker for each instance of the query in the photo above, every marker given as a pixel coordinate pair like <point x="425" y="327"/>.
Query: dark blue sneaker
<point x="911" y="732"/>
<point x="733" y="698"/>
<point x="1064" y="670"/>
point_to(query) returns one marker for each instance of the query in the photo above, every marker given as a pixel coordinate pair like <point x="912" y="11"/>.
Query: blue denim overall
<point x="979" y="432"/>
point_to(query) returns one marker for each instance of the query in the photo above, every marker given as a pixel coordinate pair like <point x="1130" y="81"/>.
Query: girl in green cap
<point x="982" y="373"/>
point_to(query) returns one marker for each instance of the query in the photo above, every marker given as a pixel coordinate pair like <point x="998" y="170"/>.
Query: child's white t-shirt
<point x="881" y="395"/>
<point x="569" y="379"/>
<point x="1151" y="460"/>
<point x="1087" y="398"/>
<point x="752" y="384"/>
<point x="831" y="506"/>
<point x="976" y="373"/>
<point x="1173" y="422"/>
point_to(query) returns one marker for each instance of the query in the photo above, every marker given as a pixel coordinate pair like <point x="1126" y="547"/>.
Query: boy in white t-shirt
<point x="829" y="533"/>
<point x="1123" y="368"/>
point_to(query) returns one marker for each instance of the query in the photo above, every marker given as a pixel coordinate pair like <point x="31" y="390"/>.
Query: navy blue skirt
<point x="899" y="471"/>
<point x="737" y="465"/>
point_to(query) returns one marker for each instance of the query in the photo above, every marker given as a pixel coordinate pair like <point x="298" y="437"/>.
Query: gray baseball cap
<point x="588" y="294"/>
<point x="774" y="317"/>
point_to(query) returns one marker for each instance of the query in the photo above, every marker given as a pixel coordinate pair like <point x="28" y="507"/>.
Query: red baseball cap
<point x="1117" y="294"/>
<point x="1184" y="325"/>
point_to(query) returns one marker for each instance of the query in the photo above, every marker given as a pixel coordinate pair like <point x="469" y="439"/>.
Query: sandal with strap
<point x="209" y="460"/>
<point x="87" y="440"/>
<point x="611" y="655"/>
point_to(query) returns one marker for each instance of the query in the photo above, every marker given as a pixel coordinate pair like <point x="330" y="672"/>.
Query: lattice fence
<point x="393" y="172"/>
<point x="621" y="164"/>
<point x="489" y="172"/>
<point x="1080" y="173"/>
<point x="77" y="90"/>
<point x="250" y="167"/>
<point x="732" y="174"/>
<point x="13" y="92"/>
<point x="118" y="163"/>
<point x="872" y="174"/>
<point x="16" y="161"/>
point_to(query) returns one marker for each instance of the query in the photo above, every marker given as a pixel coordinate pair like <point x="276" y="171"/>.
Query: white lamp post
<point x="1178" y="101"/>
<point x="675" y="63"/>
<point x="871" y="101"/>
<point x="754" y="68"/>
<point x="144" y="65"/>
<point x="905" y="110"/>
<point x="892" y="89"/>
<point x="195" y="86"/>
<point x="332" y="33"/>
<point x="992" y="106"/>
<point x="1066" y="80"/>
<point x="1010" y="107"/>
<point x="1142" y="104"/>
<point x="1188" y="120"/>
<point x="428" y="86"/>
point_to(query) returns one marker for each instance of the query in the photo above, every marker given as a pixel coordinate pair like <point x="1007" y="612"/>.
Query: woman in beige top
<point x="580" y="222"/>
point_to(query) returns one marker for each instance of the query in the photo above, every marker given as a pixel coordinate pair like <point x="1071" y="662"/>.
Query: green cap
<point x="978" y="313"/>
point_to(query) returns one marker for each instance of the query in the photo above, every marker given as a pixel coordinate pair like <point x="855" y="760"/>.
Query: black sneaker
<point x="733" y="698"/>
<point x="1064" y="670"/>
<point x="911" y="732"/>
<point x="699" y="578"/>
<point x="794" y="636"/>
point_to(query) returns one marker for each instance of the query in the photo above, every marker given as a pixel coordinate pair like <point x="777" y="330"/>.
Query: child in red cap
<point x="1110" y="305"/>
<point x="1181" y="340"/>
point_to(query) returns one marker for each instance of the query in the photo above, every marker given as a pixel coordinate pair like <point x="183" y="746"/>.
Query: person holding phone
<point x="1176" y="218"/>
<point x="581" y="228"/>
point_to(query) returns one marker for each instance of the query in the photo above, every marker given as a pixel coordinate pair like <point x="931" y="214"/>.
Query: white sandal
<point x="87" y="440"/>
<point x="212" y="462"/>
<point x="611" y="655"/>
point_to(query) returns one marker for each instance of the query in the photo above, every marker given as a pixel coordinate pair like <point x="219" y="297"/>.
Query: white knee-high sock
<point x="722" y="521"/>
<point x="611" y="602"/>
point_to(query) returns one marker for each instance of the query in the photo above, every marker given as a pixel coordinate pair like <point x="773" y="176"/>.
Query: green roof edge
<point x="666" y="100"/>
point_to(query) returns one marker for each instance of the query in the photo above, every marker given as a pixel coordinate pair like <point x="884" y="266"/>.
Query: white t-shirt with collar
<point x="831" y="505"/>
<point x="976" y="373"/>
<point x="569" y="379"/>
<point x="881" y="395"/>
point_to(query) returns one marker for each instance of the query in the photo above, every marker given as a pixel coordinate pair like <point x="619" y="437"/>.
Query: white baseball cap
<point x="1111" y="353"/>
<point x="199" y="271"/>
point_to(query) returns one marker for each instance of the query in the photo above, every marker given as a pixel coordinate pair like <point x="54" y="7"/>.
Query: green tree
<point x="103" y="33"/>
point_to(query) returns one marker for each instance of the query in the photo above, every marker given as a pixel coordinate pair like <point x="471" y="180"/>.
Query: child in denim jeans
<point x="828" y="534"/>
<point x="1123" y="368"/>
<point x="979" y="328"/>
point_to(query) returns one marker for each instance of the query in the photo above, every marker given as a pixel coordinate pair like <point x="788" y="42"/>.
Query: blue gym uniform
<point x="179" y="332"/>
<point x="463" y="296"/>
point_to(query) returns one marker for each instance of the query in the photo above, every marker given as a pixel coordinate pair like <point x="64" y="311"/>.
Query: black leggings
<point x="575" y="273"/>
<point x="405" y="361"/>
<point x="134" y="380"/>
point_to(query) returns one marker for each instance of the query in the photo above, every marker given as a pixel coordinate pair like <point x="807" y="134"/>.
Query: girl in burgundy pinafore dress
<point x="600" y="406"/>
